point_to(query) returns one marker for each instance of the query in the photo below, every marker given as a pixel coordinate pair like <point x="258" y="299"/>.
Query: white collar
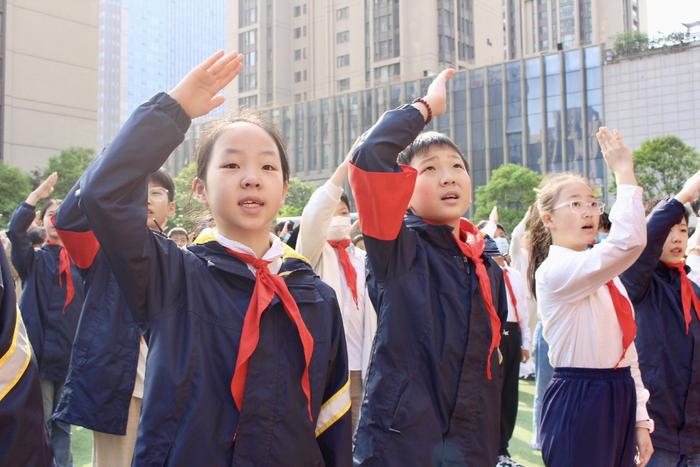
<point x="273" y="255"/>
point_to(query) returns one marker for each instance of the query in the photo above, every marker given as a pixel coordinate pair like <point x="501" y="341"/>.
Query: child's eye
<point x="458" y="166"/>
<point x="230" y="165"/>
<point x="269" y="167"/>
<point x="576" y="205"/>
<point x="430" y="167"/>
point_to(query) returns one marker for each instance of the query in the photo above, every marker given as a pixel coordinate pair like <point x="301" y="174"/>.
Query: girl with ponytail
<point x="594" y="410"/>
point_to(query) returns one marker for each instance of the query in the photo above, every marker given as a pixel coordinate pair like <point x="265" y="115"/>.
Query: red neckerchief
<point x="349" y="270"/>
<point x="471" y="244"/>
<point x="267" y="285"/>
<point x="64" y="270"/>
<point x="687" y="294"/>
<point x="625" y="317"/>
<point x="511" y="294"/>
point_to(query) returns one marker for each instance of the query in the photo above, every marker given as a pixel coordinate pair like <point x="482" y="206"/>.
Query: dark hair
<point x="177" y="231"/>
<point x="212" y="134"/>
<point x="651" y="205"/>
<point x="47" y="204"/>
<point x="280" y="225"/>
<point x="540" y="237"/>
<point x="482" y="223"/>
<point x="344" y="199"/>
<point x="424" y="141"/>
<point x="37" y="235"/>
<point x="162" y="178"/>
<point x="604" y="223"/>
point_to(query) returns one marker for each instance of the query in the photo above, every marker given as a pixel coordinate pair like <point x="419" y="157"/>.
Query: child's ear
<point x="547" y="220"/>
<point x="200" y="191"/>
<point x="171" y="209"/>
<point x="285" y="191"/>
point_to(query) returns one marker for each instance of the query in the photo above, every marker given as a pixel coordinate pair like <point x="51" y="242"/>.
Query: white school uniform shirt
<point x="140" y="369"/>
<point x="360" y="324"/>
<point x="693" y="262"/>
<point x="578" y="316"/>
<point x="517" y="282"/>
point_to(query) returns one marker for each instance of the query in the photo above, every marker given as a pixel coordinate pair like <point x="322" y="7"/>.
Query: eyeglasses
<point x="579" y="207"/>
<point x="157" y="194"/>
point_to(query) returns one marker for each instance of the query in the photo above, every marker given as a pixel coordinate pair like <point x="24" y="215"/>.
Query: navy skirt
<point x="588" y="418"/>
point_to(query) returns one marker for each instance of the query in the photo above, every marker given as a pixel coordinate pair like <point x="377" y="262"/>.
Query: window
<point x="297" y="11"/>
<point x="297" y="54"/>
<point x="342" y="37"/>
<point x="342" y="13"/>
<point x="343" y="84"/>
<point x="342" y="61"/>
<point x="297" y="33"/>
<point x="387" y="73"/>
<point x="247" y="12"/>
<point x="297" y="76"/>
<point x="248" y="102"/>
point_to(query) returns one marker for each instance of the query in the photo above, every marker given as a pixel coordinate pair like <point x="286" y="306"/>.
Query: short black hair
<point x="162" y="178"/>
<point x="47" y="204"/>
<point x="344" y="199"/>
<point x="604" y="223"/>
<point x="424" y="141"/>
<point x="37" y="235"/>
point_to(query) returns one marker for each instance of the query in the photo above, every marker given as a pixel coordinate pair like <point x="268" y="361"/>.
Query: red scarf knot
<point x="471" y="244"/>
<point x="64" y="271"/>
<point x="267" y="285"/>
<point x="625" y="317"/>
<point x="340" y="247"/>
<point x="688" y="296"/>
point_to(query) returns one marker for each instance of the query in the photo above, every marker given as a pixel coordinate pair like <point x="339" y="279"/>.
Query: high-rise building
<point x="299" y="50"/>
<point x="146" y="47"/>
<point x="534" y="26"/>
<point x="48" y="61"/>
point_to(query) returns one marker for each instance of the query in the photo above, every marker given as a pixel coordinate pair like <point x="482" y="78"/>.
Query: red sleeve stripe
<point x="81" y="246"/>
<point x="382" y="199"/>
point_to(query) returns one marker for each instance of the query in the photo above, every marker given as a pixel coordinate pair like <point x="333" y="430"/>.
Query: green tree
<point x="662" y="165"/>
<point x="189" y="212"/>
<point x="15" y="185"/>
<point x="297" y="197"/>
<point x="631" y="43"/>
<point x="70" y="165"/>
<point x="511" y="188"/>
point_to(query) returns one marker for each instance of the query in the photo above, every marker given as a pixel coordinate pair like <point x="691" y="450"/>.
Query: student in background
<point x="324" y="238"/>
<point x="179" y="236"/>
<point x="52" y="297"/>
<point x="667" y="311"/>
<point x="594" y="411"/>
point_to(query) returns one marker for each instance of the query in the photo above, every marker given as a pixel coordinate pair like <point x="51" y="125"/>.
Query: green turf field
<point x="519" y="445"/>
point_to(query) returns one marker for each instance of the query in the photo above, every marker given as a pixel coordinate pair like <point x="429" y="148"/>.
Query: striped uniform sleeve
<point x="74" y="230"/>
<point x="382" y="188"/>
<point x="333" y="424"/>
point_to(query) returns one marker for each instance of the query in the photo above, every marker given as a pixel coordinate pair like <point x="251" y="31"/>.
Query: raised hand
<point x="198" y="92"/>
<point x="493" y="217"/>
<point x="617" y="155"/>
<point x="43" y="191"/>
<point x="436" y="96"/>
<point x="690" y="189"/>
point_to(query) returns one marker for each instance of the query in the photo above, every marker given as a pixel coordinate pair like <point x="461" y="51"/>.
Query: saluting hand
<point x="436" y="96"/>
<point x="198" y="92"/>
<point x="43" y="191"/>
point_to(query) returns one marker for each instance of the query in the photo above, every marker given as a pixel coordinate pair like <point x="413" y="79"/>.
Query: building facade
<point x="49" y="60"/>
<point x="302" y="50"/>
<point x="536" y="26"/>
<point x="147" y="47"/>
<point x="541" y="112"/>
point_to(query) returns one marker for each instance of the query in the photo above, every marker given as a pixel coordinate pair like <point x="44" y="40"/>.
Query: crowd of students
<point x="398" y="345"/>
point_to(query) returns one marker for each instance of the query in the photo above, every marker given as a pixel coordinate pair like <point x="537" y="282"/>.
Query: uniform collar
<point x="273" y="255"/>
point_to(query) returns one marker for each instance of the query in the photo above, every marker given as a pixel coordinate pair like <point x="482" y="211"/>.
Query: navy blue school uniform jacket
<point x="23" y="438"/>
<point x="105" y="354"/>
<point x="427" y="400"/>
<point x="191" y="303"/>
<point x="668" y="357"/>
<point x="51" y="329"/>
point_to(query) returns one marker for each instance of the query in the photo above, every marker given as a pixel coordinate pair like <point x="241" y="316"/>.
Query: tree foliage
<point x="662" y="165"/>
<point x="189" y="212"/>
<point x="70" y="164"/>
<point x="631" y="43"/>
<point x="297" y="197"/>
<point x="511" y="188"/>
<point x="15" y="185"/>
